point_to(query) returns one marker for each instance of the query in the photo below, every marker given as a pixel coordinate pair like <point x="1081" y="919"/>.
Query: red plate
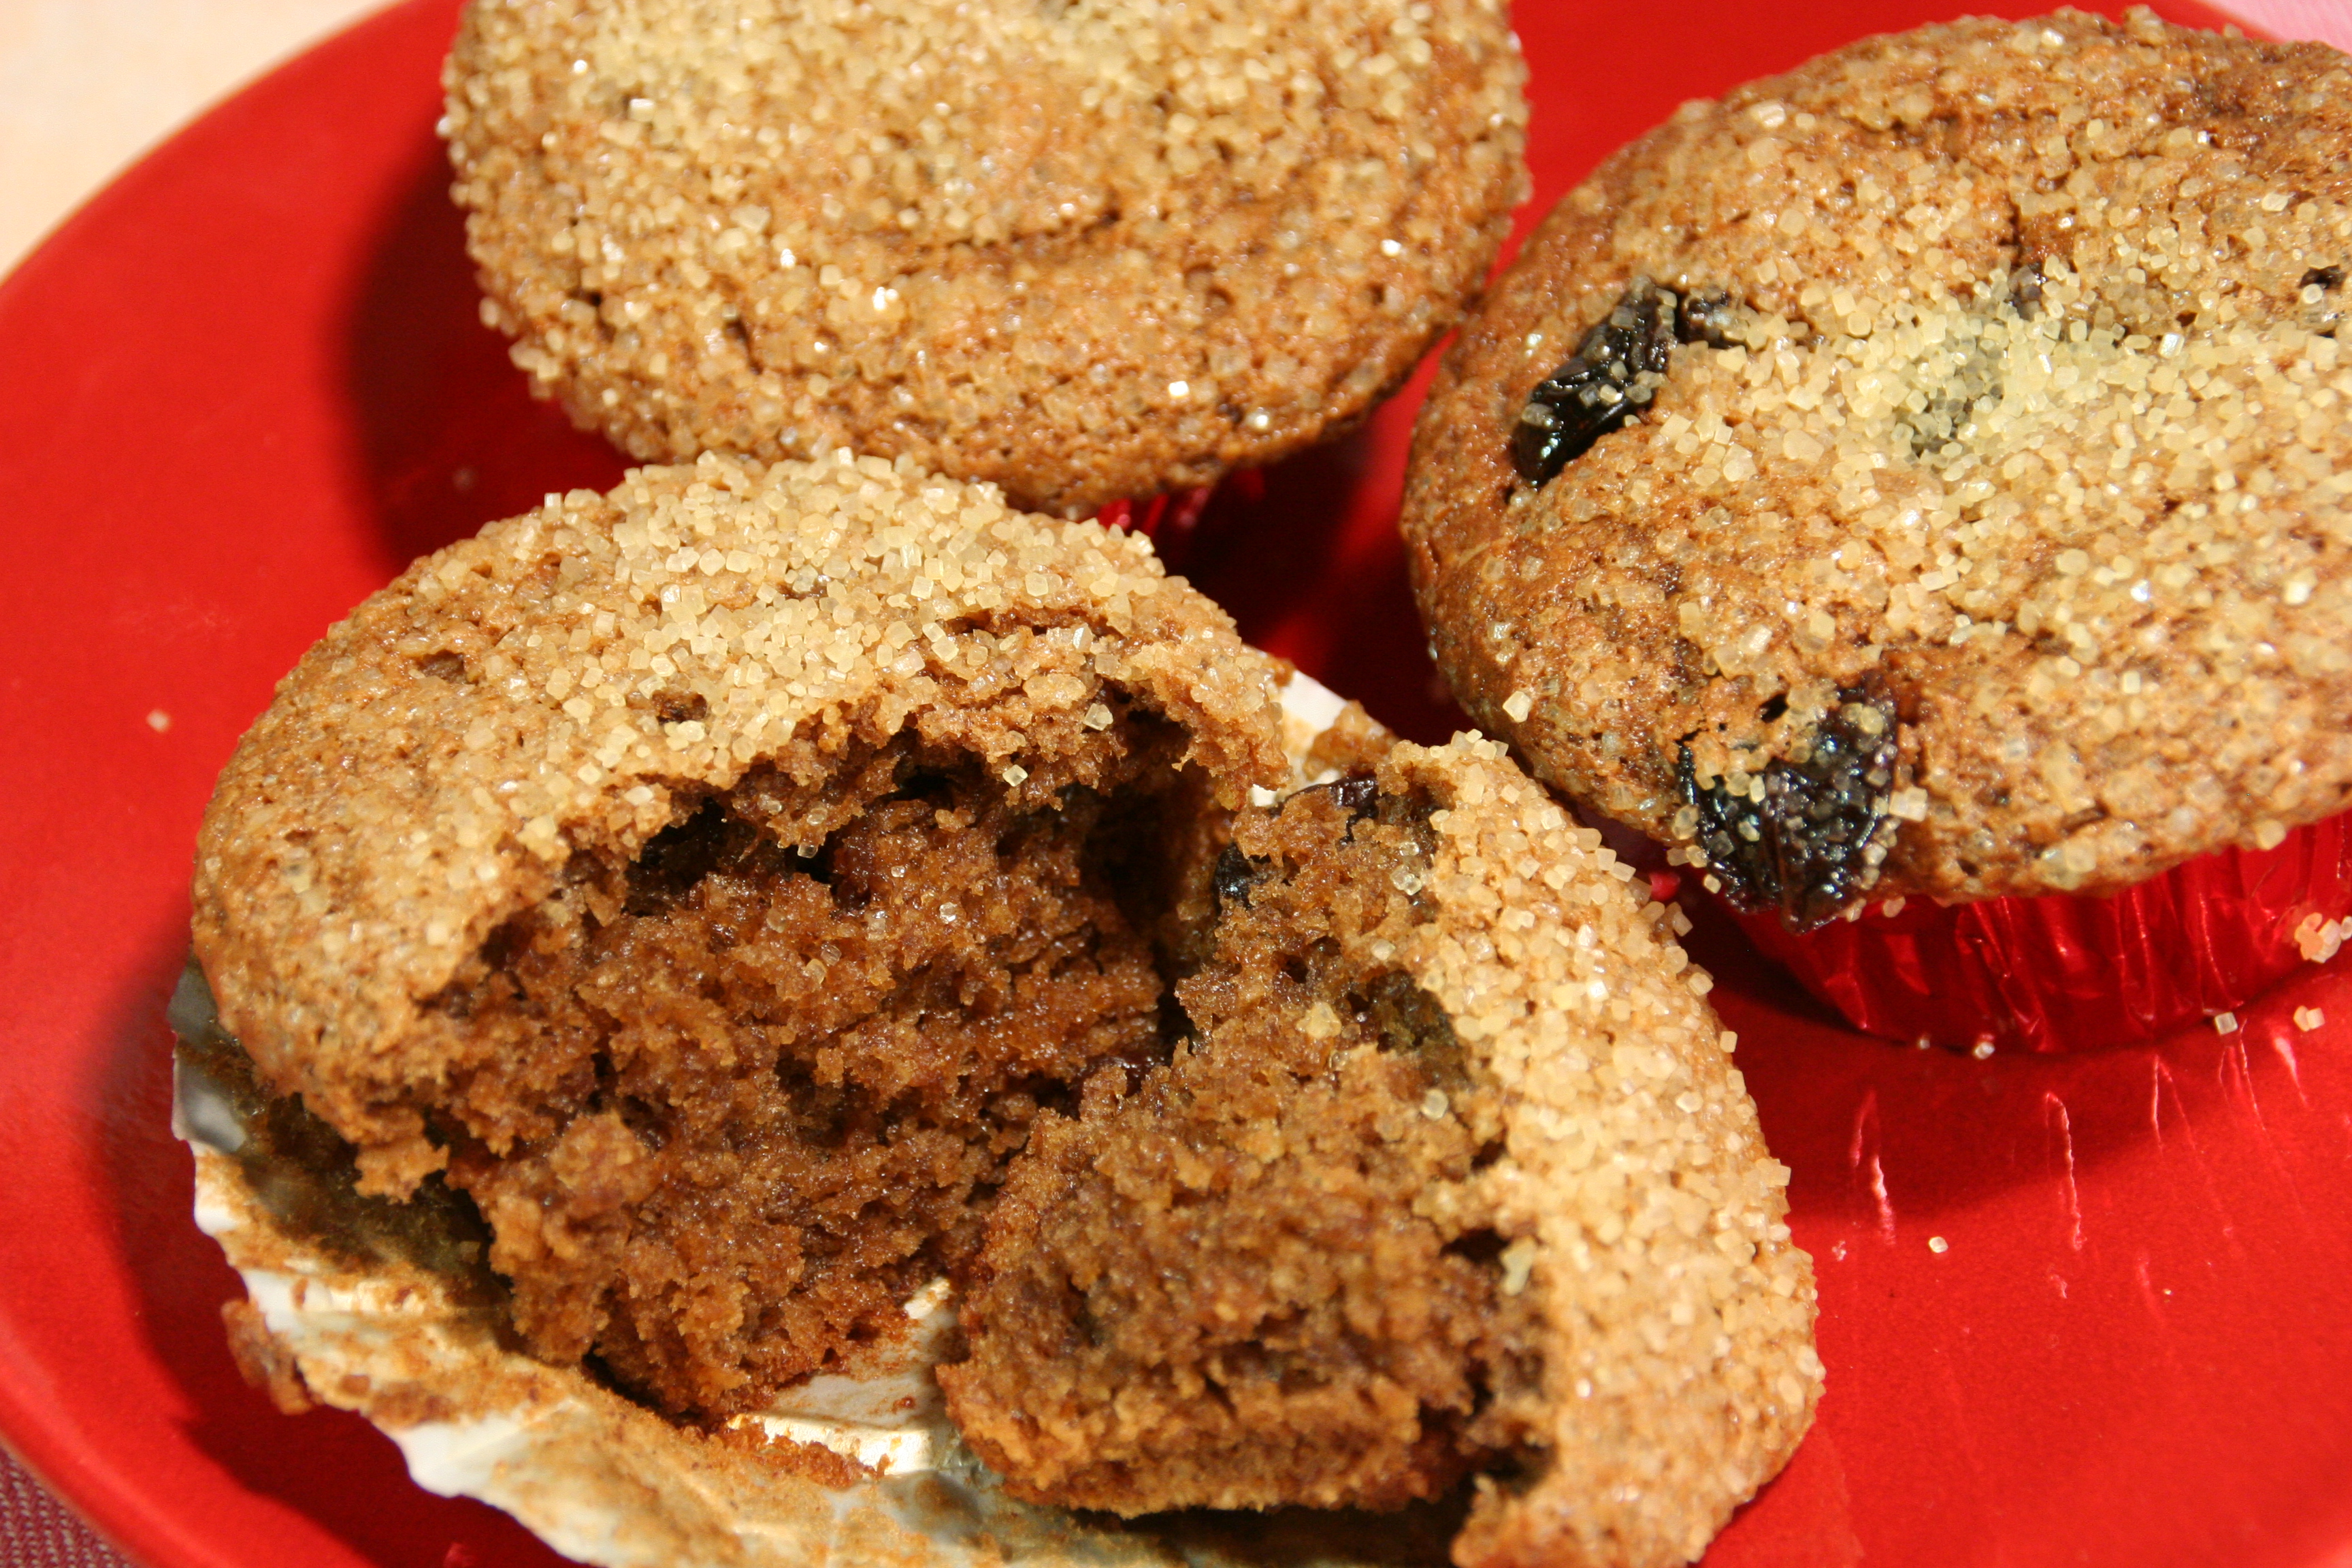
<point x="247" y="384"/>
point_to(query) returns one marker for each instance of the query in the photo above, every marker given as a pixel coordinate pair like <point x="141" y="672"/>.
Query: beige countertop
<point x="85" y="86"/>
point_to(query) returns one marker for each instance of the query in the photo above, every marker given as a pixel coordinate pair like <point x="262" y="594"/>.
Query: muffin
<point x="1454" y="1174"/>
<point x="1081" y="252"/>
<point x="712" y="881"/>
<point x="1921" y="475"/>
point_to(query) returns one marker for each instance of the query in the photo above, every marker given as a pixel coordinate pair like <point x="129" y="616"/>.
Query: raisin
<point x="1614" y="371"/>
<point x="1357" y="793"/>
<point x="2325" y="277"/>
<point x="1801" y="849"/>
<point x="1236" y="873"/>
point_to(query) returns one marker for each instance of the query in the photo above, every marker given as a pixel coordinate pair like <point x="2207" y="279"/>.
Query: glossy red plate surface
<point x="247" y="384"/>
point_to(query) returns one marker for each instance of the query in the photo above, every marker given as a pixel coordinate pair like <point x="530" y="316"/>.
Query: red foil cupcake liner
<point x="2060" y="973"/>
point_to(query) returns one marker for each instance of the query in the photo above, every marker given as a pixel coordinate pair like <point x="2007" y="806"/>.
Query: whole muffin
<point x="1926" y="472"/>
<point x="1455" y="1175"/>
<point x="1083" y="251"/>
<point x="712" y="881"/>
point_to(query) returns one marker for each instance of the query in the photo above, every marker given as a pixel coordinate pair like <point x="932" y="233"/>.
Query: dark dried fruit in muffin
<point x="1612" y="375"/>
<point x="2027" y="401"/>
<point x="1800" y="840"/>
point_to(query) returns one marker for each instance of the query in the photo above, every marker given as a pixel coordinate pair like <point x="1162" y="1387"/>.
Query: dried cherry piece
<point x="1801" y="849"/>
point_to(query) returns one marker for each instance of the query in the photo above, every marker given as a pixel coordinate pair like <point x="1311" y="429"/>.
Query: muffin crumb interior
<point x="1262" y="1279"/>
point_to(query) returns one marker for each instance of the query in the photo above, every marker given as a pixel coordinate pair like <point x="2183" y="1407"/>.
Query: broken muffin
<point x="715" y="880"/>
<point x="1452" y="1172"/>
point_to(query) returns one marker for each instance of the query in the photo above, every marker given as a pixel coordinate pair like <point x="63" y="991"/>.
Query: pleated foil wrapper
<point x="2061" y="972"/>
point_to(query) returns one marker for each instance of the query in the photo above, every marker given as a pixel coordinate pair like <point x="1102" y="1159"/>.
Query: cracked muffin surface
<point x="1082" y="251"/>
<point x="1924" y="472"/>
<point x="712" y="880"/>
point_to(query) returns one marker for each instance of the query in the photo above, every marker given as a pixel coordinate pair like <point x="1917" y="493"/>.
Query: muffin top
<point x="569" y="683"/>
<point x="1924" y="472"/>
<point x="1083" y="251"/>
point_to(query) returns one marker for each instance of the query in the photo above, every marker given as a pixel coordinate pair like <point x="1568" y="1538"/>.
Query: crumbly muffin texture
<point x="714" y="879"/>
<point x="1983" y="386"/>
<point x="1083" y="251"/>
<point x="1453" y="1172"/>
<point x="1223" y="1290"/>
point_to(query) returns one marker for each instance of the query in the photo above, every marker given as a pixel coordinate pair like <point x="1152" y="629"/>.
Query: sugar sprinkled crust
<point x="574" y="680"/>
<point x="1636" y="1170"/>
<point x="1659" y="1222"/>
<point x="1662" y="1367"/>
<point x="2026" y="421"/>
<point x="1083" y="252"/>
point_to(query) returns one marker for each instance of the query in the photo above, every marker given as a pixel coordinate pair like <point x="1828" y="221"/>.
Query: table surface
<point x="86" y="87"/>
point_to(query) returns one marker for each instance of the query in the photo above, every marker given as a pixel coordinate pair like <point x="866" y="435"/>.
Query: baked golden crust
<point x="1209" y="1294"/>
<point x="2023" y="423"/>
<point x="1083" y="252"/>
<point x="573" y="681"/>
